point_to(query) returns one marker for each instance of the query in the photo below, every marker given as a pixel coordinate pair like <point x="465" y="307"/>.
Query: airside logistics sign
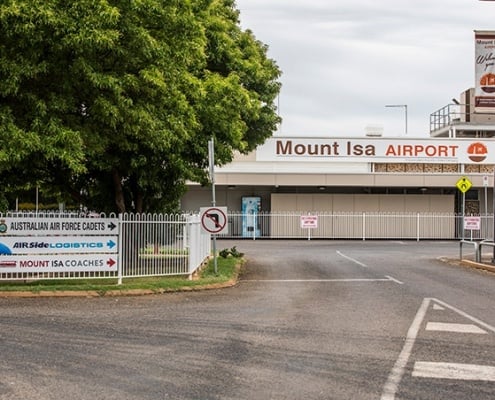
<point x="57" y="244"/>
<point x="383" y="150"/>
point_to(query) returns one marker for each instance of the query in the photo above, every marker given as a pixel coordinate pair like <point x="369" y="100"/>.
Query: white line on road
<point x="468" y="372"/>
<point x="456" y="328"/>
<point x="393" y="380"/>
<point x="323" y="280"/>
<point x="352" y="259"/>
<point x="465" y="315"/>
<point x="463" y="371"/>
<point x="394" y="280"/>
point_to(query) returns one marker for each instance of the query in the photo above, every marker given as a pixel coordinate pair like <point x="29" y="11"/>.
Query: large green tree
<point x="111" y="103"/>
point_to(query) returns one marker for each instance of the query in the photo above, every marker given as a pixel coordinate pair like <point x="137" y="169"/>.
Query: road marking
<point x="462" y="371"/>
<point x="465" y="315"/>
<point x="438" y="307"/>
<point x="467" y="372"/>
<point x="393" y="380"/>
<point x="394" y="280"/>
<point x="388" y="279"/>
<point x="456" y="328"/>
<point x="352" y="259"/>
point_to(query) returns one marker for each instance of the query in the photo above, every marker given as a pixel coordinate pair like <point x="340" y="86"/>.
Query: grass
<point x="227" y="270"/>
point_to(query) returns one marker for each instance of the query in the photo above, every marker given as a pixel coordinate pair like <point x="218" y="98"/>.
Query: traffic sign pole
<point x="211" y="162"/>
<point x="463" y="184"/>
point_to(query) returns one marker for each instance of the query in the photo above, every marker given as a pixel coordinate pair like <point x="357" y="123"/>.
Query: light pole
<point x="404" y="106"/>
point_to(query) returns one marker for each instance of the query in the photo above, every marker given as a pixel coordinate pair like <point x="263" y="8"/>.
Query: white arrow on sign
<point x="59" y="226"/>
<point x="57" y="244"/>
<point x="58" y="263"/>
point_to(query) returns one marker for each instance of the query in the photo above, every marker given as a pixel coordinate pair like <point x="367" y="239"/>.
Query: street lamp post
<point x="404" y="106"/>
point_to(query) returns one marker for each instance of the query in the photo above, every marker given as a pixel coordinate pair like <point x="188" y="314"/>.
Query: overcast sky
<point x="344" y="60"/>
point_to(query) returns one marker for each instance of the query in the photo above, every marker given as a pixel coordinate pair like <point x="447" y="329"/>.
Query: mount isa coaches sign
<point x="58" y="244"/>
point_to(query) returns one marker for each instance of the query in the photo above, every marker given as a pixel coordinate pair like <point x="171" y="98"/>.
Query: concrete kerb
<point x="468" y="263"/>
<point x="474" y="264"/>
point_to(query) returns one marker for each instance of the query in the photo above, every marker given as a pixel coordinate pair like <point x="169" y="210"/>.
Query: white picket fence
<point x="162" y="244"/>
<point x="176" y="244"/>
<point x="148" y="245"/>
<point x="358" y="226"/>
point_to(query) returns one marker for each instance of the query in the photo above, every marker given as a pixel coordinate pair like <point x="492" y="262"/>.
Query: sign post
<point x="211" y="162"/>
<point x="214" y="221"/>
<point x="472" y="223"/>
<point x="463" y="184"/>
<point x="309" y="222"/>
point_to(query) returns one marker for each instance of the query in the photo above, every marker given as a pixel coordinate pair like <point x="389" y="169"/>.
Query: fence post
<point x="121" y="253"/>
<point x="192" y="223"/>
<point x="417" y="227"/>
<point x="364" y="226"/>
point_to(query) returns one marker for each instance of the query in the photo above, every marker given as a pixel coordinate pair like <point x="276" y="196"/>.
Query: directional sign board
<point x="59" y="226"/>
<point x="214" y="219"/>
<point x="10" y="245"/>
<point x="59" y="263"/>
<point x="58" y="244"/>
<point x="463" y="184"/>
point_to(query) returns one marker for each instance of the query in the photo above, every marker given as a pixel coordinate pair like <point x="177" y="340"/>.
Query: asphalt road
<point x="308" y="320"/>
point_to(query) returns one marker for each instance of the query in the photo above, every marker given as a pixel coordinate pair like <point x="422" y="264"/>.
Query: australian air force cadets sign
<point x="58" y="244"/>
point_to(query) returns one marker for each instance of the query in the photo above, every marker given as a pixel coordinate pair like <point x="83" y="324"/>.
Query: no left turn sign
<point x="214" y="219"/>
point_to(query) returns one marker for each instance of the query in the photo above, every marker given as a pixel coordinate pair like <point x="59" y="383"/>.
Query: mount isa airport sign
<point x="386" y="150"/>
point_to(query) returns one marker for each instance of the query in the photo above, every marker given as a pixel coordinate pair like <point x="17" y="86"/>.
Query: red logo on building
<point x="477" y="151"/>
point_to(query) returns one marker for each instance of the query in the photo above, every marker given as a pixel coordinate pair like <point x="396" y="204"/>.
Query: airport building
<point x="372" y="173"/>
<point x="366" y="174"/>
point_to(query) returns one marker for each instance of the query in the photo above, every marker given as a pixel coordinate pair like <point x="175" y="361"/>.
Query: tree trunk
<point x="139" y="201"/>
<point x="119" y="191"/>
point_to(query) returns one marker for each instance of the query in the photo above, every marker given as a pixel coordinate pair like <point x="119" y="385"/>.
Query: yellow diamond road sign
<point x="464" y="184"/>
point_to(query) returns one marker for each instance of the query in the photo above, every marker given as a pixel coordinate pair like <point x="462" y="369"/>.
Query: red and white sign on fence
<point x="309" y="221"/>
<point x="472" y="223"/>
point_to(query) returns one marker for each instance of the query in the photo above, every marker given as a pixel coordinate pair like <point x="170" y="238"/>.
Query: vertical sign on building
<point x="484" y="89"/>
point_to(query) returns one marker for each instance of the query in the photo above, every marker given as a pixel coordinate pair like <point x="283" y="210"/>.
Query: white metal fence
<point x="148" y="245"/>
<point x="176" y="244"/>
<point x="162" y="244"/>
<point x="362" y="226"/>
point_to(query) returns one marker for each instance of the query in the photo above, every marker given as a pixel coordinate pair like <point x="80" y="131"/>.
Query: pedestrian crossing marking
<point x="456" y="328"/>
<point x="442" y="370"/>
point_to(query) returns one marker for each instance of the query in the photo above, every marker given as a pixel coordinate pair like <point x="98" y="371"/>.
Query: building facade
<point x="367" y="174"/>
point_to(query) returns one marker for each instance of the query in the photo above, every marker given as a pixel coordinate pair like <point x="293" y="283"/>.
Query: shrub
<point x="231" y="252"/>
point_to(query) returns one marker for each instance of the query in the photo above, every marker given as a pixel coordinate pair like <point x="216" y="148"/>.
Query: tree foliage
<point x="111" y="103"/>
